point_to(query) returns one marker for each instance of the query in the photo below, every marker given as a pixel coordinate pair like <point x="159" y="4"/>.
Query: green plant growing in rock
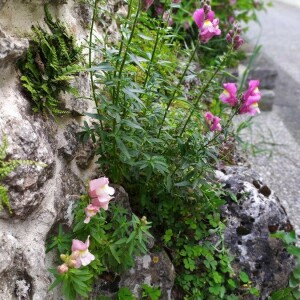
<point x="6" y="167"/>
<point x="152" y="137"/>
<point x="292" y="292"/>
<point x="49" y="65"/>
<point x="116" y="238"/>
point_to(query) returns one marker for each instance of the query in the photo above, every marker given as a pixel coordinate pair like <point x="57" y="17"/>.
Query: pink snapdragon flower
<point x="229" y="94"/>
<point x="146" y="4"/>
<point x="81" y="253"/>
<point x="99" y="187"/>
<point x="101" y="193"/>
<point x="208" y="26"/>
<point x="232" y="2"/>
<point x="101" y="202"/>
<point x="251" y="99"/>
<point x="213" y="122"/>
<point x="90" y="211"/>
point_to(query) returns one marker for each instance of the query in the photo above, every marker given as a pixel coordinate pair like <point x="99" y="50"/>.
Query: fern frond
<point x="4" y="200"/>
<point x="3" y="148"/>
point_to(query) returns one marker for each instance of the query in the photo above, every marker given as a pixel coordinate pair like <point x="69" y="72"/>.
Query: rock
<point x="154" y="269"/>
<point x="70" y="147"/>
<point x="247" y="235"/>
<point x="267" y="100"/>
<point x="121" y="197"/>
<point x="8" y="246"/>
<point x="11" y="49"/>
<point x="266" y="76"/>
<point x="27" y="142"/>
<point x="85" y="154"/>
<point x="69" y="142"/>
<point x="78" y="106"/>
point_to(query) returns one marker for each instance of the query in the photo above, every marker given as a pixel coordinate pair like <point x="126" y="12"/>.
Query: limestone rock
<point x="250" y="221"/>
<point x="78" y="106"/>
<point x="154" y="269"/>
<point x="11" y="49"/>
<point x="71" y="148"/>
<point x="27" y="142"/>
<point x="85" y="154"/>
<point x="69" y="143"/>
<point x="8" y="246"/>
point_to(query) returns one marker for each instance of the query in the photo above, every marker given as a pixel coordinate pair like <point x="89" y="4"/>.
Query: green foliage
<point x="6" y="167"/>
<point x="152" y="138"/>
<point x="292" y="292"/>
<point x="116" y="237"/>
<point x="50" y="63"/>
<point x="150" y="292"/>
<point x="74" y="282"/>
<point x="125" y="294"/>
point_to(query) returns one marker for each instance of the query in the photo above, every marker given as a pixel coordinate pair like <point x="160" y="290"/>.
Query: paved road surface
<point x="280" y="36"/>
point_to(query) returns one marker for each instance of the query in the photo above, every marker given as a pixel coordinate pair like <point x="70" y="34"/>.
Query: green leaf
<point x="281" y="294"/>
<point x="294" y="250"/>
<point x="123" y="148"/>
<point x="244" y="277"/>
<point x="114" y="253"/>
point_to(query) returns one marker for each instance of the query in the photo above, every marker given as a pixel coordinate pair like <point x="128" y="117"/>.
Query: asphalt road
<point x="278" y="131"/>
<point x="280" y="36"/>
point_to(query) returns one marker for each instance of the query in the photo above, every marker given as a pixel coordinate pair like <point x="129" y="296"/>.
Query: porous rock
<point x="11" y="49"/>
<point x="78" y="106"/>
<point x="154" y="269"/>
<point x="250" y="221"/>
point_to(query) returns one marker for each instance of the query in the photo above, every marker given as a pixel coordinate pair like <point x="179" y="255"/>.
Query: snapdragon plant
<point x="160" y="128"/>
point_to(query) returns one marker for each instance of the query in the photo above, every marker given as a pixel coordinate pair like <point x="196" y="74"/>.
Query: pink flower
<point x="213" y="122"/>
<point x="90" y="211"/>
<point x="102" y="201"/>
<point x="229" y="94"/>
<point x="62" y="268"/>
<point x="81" y="253"/>
<point x="232" y="2"/>
<point x="167" y="18"/>
<point x="101" y="194"/>
<point x="251" y="99"/>
<point x="146" y="4"/>
<point x="99" y="187"/>
<point x="208" y="26"/>
<point x="159" y="9"/>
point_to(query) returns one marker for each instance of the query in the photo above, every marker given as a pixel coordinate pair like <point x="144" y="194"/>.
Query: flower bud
<point x="237" y="38"/>
<point x="63" y="257"/>
<point x="62" y="269"/>
<point x="231" y="33"/>
<point x="228" y="38"/>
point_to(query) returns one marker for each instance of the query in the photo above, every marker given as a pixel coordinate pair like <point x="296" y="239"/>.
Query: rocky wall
<point x="40" y="196"/>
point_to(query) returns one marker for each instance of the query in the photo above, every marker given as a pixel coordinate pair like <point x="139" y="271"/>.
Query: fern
<point x="6" y="167"/>
<point x="51" y="62"/>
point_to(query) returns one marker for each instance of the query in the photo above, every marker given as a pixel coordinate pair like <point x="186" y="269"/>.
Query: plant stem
<point x="175" y="90"/>
<point x="152" y="56"/>
<point x="203" y="90"/>
<point x="90" y="60"/>
<point x="126" y="51"/>
<point x="121" y="48"/>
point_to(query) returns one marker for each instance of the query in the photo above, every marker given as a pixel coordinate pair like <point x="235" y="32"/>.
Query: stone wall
<point x="40" y="196"/>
